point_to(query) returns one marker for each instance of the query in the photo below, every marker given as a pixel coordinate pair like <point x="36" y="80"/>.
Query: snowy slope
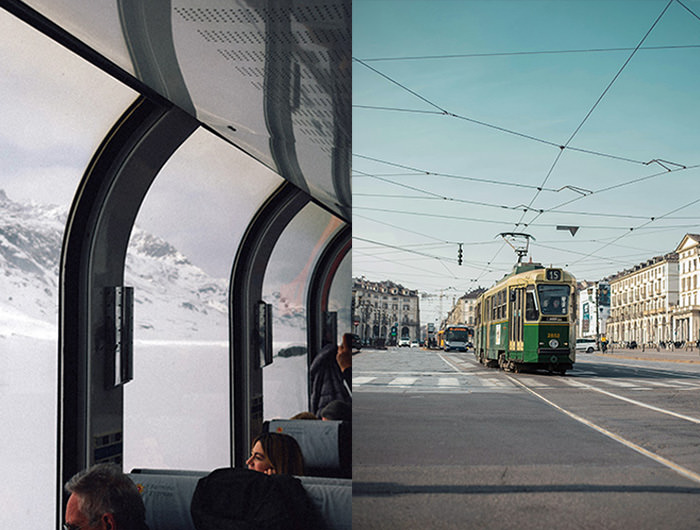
<point x="173" y="298"/>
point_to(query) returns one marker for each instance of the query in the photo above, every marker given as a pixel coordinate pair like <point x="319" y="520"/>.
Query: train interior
<point x="175" y="241"/>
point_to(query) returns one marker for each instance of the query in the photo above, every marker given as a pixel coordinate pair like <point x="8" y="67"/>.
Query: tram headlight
<point x="554" y="343"/>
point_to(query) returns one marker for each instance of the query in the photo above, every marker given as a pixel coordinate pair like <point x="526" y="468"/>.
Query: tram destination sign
<point x="553" y="275"/>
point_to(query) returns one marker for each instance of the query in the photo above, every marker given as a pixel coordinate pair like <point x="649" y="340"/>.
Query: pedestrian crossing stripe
<point x="474" y="381"/>
<point x="403" y="381"/>
<point x="614" y="382"/>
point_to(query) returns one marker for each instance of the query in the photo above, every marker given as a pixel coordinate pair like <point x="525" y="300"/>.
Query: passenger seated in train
<point x="306" y="415"/>
<point x="337" y="410"/>
<point x="330" y="374"/>
<point x="275" y="453"/>
<point x="240" y="498"/>
<point x="103" y="497"/>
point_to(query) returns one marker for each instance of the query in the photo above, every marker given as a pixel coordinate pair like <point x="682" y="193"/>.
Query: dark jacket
<point x="326" y="379"/>
<point x="243" y="499"/>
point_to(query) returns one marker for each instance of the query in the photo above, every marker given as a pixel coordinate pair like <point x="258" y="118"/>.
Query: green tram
<point x="527" y="321"/>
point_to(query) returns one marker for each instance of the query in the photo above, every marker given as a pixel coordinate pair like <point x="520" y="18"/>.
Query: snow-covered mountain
<point x="173" y="299"/>
<point x="30" y="246"/>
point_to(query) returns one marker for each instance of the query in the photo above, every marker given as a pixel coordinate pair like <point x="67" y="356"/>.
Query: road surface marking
<point x="362" y="380"/>
<point x="613" y="382"/>
<point x="534" y="382"/>
<point x="660" y="459"/>
<point x="403" y="381"/>
<point x="493" y="382"/>
<point x="573" y="382"/>
<point x="448" y="381"/>
<point x="628" y="400"/>
<point x="659" y="383"/>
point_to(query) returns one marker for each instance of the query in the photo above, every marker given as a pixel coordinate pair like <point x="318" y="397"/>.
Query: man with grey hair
<point x="104" y="498"/>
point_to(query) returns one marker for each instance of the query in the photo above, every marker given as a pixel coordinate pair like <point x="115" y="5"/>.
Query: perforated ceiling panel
<point x="282" y="88"/>
<point x="271" y="76"/>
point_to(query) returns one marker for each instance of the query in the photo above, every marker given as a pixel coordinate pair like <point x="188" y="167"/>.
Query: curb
<point x="633" y="357"/>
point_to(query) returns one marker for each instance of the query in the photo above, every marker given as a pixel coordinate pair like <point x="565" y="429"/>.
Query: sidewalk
<point x="679" y="355"/>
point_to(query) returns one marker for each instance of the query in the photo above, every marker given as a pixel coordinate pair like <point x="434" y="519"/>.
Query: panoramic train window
<point x="285" y="384"/>
<point x="56" y="110"/>
<point x="179" y="262"/>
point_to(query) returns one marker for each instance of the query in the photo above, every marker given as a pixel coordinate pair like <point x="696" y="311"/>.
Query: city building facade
<point x="686" y="315"/>
<point x="384" y="312"/>
<point x="463" y="312"/>
<point x="643" y="302"/>
<point x="593" y="309"/>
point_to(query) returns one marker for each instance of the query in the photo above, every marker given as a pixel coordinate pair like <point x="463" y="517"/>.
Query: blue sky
<point x="427" y="176"/>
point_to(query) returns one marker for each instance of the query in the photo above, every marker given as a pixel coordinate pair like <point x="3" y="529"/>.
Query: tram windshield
<point x="554" y="299"/>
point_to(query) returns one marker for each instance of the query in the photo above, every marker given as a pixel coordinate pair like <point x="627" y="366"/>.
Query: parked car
<point x="405" y="342"/>
<point x="414" y="344"/>
<point x="587" y="345"/>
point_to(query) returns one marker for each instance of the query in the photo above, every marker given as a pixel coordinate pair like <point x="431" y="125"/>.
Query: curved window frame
<point x="92" y="260"/>
<point x="246" y="287"/>
<point x="320" y="286"/>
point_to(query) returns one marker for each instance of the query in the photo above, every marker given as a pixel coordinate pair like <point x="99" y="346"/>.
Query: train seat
<point x="167" y="495"/>
<point x="326" y="445"/>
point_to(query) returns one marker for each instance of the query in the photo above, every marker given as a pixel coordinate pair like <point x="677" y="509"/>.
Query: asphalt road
<point x="439" y="441"/>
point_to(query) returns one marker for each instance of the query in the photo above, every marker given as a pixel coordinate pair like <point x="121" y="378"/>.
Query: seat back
<point x="326" y="445"/>
<point x="167" y="495"/>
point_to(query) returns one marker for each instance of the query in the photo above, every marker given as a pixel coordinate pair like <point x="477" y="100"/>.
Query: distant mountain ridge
<point x="174" y="299"/>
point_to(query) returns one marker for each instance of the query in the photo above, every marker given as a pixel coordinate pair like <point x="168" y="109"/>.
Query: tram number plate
<point x="553" y="274"/>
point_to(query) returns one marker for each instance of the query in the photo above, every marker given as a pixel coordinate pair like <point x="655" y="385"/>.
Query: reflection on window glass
<point x="179" y="262"/>
<point x="46" y="142"/>
<point x="339" y="299"/>
<point x="285" y="385"/>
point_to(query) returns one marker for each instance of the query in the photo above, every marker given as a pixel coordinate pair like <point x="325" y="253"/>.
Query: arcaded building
<point x="379" y="307"/>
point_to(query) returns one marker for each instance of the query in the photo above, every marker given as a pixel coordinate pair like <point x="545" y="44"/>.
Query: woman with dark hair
<point x="276" y="453"/>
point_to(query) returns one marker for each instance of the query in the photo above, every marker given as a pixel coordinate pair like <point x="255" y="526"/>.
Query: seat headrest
<point x="326" y="445"/>
<point x="167" y="499"/>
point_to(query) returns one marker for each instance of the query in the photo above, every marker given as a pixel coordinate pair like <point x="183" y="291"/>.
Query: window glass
<point x="176" y="410"/>
<point x="285" y="385"/>
<point x="339" y="299"/>
<point x="554" y="299"/>
<point x="46" y="142"/>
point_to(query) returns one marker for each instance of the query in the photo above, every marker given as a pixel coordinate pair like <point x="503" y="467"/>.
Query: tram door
<point x="515" y="318"/>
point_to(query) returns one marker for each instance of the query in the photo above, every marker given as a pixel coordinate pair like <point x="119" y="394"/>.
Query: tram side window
<point x="501" y="304"/>
<point x="531" y="311"/>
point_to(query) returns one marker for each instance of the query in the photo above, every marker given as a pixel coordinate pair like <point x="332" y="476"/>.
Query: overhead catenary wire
<point x="504" y="130"/>
<point x="629" y="232"/>
<point x="447" y="175"/>
<point x="637" y="228"/>
<point x="531" y="52"/>
<point x="436" y="196"/>
<point x="592" y="109"/>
